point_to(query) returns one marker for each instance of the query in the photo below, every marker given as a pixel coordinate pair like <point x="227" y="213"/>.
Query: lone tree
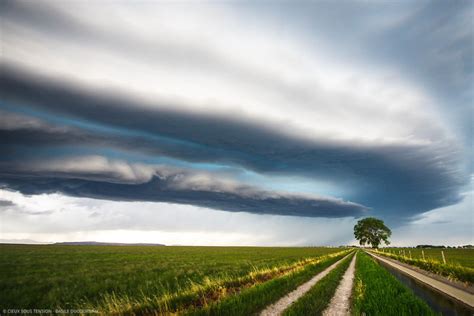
<point x="372" y="231"/>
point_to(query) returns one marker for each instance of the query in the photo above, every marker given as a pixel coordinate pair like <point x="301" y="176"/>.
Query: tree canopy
<point x="372" y="231"/>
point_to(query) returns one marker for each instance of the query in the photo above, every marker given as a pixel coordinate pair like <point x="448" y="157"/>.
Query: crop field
<point x="463" y="257"/>
<point x="377" y="292"/>
<point x="458" y="268"/>
<point x="318" y="298"/>
<point x="144" y="280"/>
<point x="254" y="299"/>
<point x="115" y="278"/>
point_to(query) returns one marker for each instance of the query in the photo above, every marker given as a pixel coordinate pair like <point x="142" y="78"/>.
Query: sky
<point x="236" y="123"/>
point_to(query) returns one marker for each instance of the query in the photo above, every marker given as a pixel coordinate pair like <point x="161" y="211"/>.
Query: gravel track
<point x="281" y="305"/>
<point x="340" y="303"/>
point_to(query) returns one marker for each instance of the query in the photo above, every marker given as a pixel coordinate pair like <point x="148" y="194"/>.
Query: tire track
<point x="340" y="303"/>
<point x="279" y="307"/>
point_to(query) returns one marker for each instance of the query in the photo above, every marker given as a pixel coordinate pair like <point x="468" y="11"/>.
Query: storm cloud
<point x="163" y="113"/>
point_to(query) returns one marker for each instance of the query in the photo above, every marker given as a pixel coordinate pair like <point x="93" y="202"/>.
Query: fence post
<point x="444" y="259"/>
<point x="423" y="254"/>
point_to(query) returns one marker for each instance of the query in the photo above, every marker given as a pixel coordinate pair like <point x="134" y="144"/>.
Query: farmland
<point x="318" y="298"/>
<point x="145" y="280"/>
<point x="252" y="300"/>
<point x="377" y="292"/>
<point x="458" y="264"/>
<point x="463" y="257"/>
<point x="103" y="276"/>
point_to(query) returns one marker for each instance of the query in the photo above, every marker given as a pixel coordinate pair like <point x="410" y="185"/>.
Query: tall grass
<point x="115" y="278"/>
<point x="377" y="292"/>
<point x="463" y="257"/>
<point x="252" y="300"/>
<point x="453" y="271"/>
<point x="202" y="294"/>
<point x="315" y="301"/>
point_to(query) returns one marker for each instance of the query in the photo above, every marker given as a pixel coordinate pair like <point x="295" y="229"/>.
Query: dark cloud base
<point x="391" y="179"/>
<point x="159" y="191"/>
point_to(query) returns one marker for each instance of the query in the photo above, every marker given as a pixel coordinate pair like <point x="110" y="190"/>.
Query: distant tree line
<point x="437" y="246"/>
<point x="423" y="246"/>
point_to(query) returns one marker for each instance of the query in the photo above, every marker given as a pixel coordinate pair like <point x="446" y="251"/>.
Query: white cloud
<point x="96" y="166"/>
<point x="74" y="219"/>
<point x="55" y="217"/>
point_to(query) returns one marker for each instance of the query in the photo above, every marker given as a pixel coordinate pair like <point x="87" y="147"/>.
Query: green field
<point x="252" y="300"/>
<point x="117" y="278"/>
<point x="377" y="292"/>
<point x="143" y="280"/>
<point x="463" y="257"/>
<point x="318" y="298"/>
<point x="456" y="268"/>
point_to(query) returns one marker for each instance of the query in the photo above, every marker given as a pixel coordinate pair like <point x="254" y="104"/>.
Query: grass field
<point x="377" y="292"/>
<point x="145" y="280"/>
<point x="101" y="276"/>
<point x="457" y="268"/>
<point x="254" y="299"/>
<point x="318" y="298"/>
<point x="463" y="257"/>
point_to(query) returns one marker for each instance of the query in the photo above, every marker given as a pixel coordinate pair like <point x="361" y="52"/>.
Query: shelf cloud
<point x="223" y="107"/>
<point x="412" y="176"/>
<point x="99" y="177"/>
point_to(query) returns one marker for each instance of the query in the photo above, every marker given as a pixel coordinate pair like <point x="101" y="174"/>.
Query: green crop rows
<point x="318" y="298"/>
<point x="114" y="278"/>
<point x="255" y="299"/>
<point x="377" y="292"/>
<point x="144" y="280"/>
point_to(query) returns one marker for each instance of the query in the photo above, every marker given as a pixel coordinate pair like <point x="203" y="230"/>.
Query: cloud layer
<point x="218" y="109"/>
<point x="56" y="217"/>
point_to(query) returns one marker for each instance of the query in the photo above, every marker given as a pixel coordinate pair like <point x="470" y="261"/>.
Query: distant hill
<point x="96" y="243"/>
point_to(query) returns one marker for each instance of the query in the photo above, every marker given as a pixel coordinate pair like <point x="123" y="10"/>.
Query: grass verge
<point x="452" y="271"/>
<point x="252" y="300"/>
<point x="459" y="256"/>
<point x="201" y="296"/>
<point x="315" y="301"/>
<point x="377" y="292"/>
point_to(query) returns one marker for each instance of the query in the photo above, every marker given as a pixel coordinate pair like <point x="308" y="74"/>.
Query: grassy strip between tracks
<point x="318" y="298"/>
<point x="252" y="300"/>
<point x="452" y="271"/>
<point x="202" y="298"/>
<point x="377" y="292"/>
